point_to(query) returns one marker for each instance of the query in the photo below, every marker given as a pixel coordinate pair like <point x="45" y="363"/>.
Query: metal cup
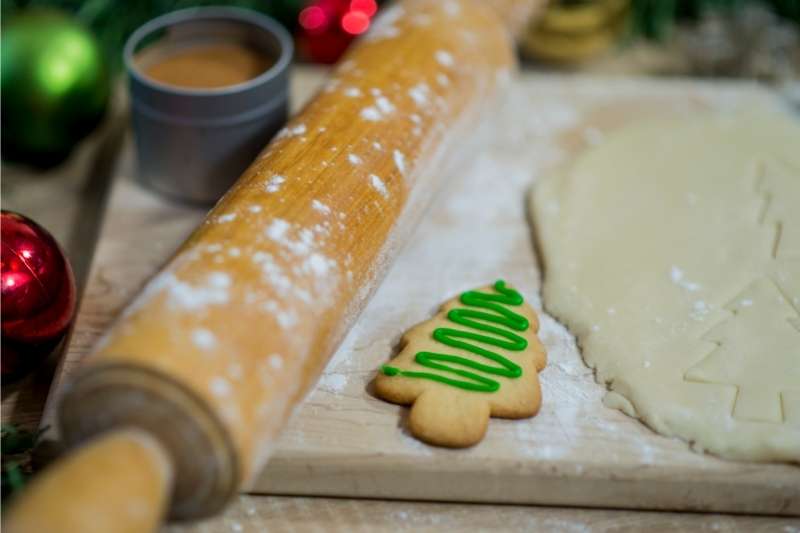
<point x="192" y="144"/>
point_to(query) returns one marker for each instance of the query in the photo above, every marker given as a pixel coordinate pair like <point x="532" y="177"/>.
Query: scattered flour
<point x="384" y="105"/>
<point x="452" y="8"/>
<point x="272" y="273"/>
<point x="384" y="26"/>
<point x="274" y="183"/>
<point x="299" y="129"/>
<point x="699" y="310"/>
<point x="371" y="114"/>
<point x="335" y="383"/>
<point x="286" y="319"/>
<point x="278" y="231"/>
<point x="320" y="207"/>
<point x="382" y="108"/>
<point x="204" y="339"/>
<point x="400" y="161"/>
<point x="275" y="361"/>
<point x="220" y="387"/>
<point x="419" y="93"/>
<point x="318" y="264"/>
<point x="196" y="297"/>
<point x="444" y="58"/>
<point x="678" y="278"/>
<point x="379" y="186"/>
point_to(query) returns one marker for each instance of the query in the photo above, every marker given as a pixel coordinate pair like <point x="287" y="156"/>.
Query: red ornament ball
<point x="38" y="294"/>
<point x="327" y="27"/>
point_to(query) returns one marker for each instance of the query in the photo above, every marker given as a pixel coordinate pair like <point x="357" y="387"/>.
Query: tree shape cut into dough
<point x="758" y="351"/>
<point x="479" y="356"/>
<point x="780" y="187"/>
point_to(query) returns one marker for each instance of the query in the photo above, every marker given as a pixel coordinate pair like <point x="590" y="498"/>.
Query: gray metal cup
<point x="192" y="144"/>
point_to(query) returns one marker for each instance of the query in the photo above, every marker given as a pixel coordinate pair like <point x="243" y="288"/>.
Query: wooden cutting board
<point x="343" y="441"/>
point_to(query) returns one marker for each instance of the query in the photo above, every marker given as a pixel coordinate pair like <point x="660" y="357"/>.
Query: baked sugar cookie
<point x="479" y="356"/>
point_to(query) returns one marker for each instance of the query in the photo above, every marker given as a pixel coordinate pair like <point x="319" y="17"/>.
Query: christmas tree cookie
<point x="479" y="356"/>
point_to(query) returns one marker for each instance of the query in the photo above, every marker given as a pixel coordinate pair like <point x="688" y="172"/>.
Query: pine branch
<point x="17" y="448"/>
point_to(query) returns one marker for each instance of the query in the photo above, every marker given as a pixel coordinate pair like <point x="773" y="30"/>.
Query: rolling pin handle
<point x="119" y="482"/>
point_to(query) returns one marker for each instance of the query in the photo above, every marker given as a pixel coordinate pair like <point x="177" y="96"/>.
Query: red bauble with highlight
<point x="38" y="295"/>
<point x="327" y="27"/>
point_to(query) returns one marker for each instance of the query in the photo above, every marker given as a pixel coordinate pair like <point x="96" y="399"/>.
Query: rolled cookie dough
<point x="672" y="251"/>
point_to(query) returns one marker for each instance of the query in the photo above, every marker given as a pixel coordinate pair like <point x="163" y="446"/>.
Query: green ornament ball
<point x="55" y="86"/>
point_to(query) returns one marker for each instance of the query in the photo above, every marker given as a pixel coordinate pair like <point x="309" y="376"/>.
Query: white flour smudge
<point x="444" y="58"/>
<point x="220" y="387"/>
<point x="274" y="183"/>
<point x="196" y="297"/>
<point x="204" y="339"/>
<point x="678" y="278"/>
<point x="371" y="114"/>
<point x="293" y="131"/>
<point x="275" y="361"/>
<point x="419" y="93"/>
<point x="379" y="186"/>
<point x="318" y="264"/>
<point x="384" y="105"/>
<point x="335" y="383"/>
<point x="400" y="161"/>
<point x="320" y="207"/>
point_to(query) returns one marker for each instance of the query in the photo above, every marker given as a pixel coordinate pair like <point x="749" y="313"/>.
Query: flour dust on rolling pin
<point x="248" y="311"/>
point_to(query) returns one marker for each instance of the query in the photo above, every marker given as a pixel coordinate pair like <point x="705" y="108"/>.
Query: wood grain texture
<point x="215" y="352"/>
<point x="257" y="514"/>
<point x="344" y="442"/>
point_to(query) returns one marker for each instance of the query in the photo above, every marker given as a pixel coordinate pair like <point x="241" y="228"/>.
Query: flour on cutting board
<point x="470" y="238"/>
<point x="475" y="232"/>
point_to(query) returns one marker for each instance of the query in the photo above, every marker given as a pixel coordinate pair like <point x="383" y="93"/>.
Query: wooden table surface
<point x="69" y="201"/>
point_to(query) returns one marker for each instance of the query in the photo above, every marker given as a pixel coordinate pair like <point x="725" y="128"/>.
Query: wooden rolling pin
<point x="184" y="397"/>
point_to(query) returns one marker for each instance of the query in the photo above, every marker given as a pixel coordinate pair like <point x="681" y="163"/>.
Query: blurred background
<point x="65" y="107"/>
<point x="758" y="39"/>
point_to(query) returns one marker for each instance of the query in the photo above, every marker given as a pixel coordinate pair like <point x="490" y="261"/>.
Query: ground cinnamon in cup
<point x="208" y="65"/>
